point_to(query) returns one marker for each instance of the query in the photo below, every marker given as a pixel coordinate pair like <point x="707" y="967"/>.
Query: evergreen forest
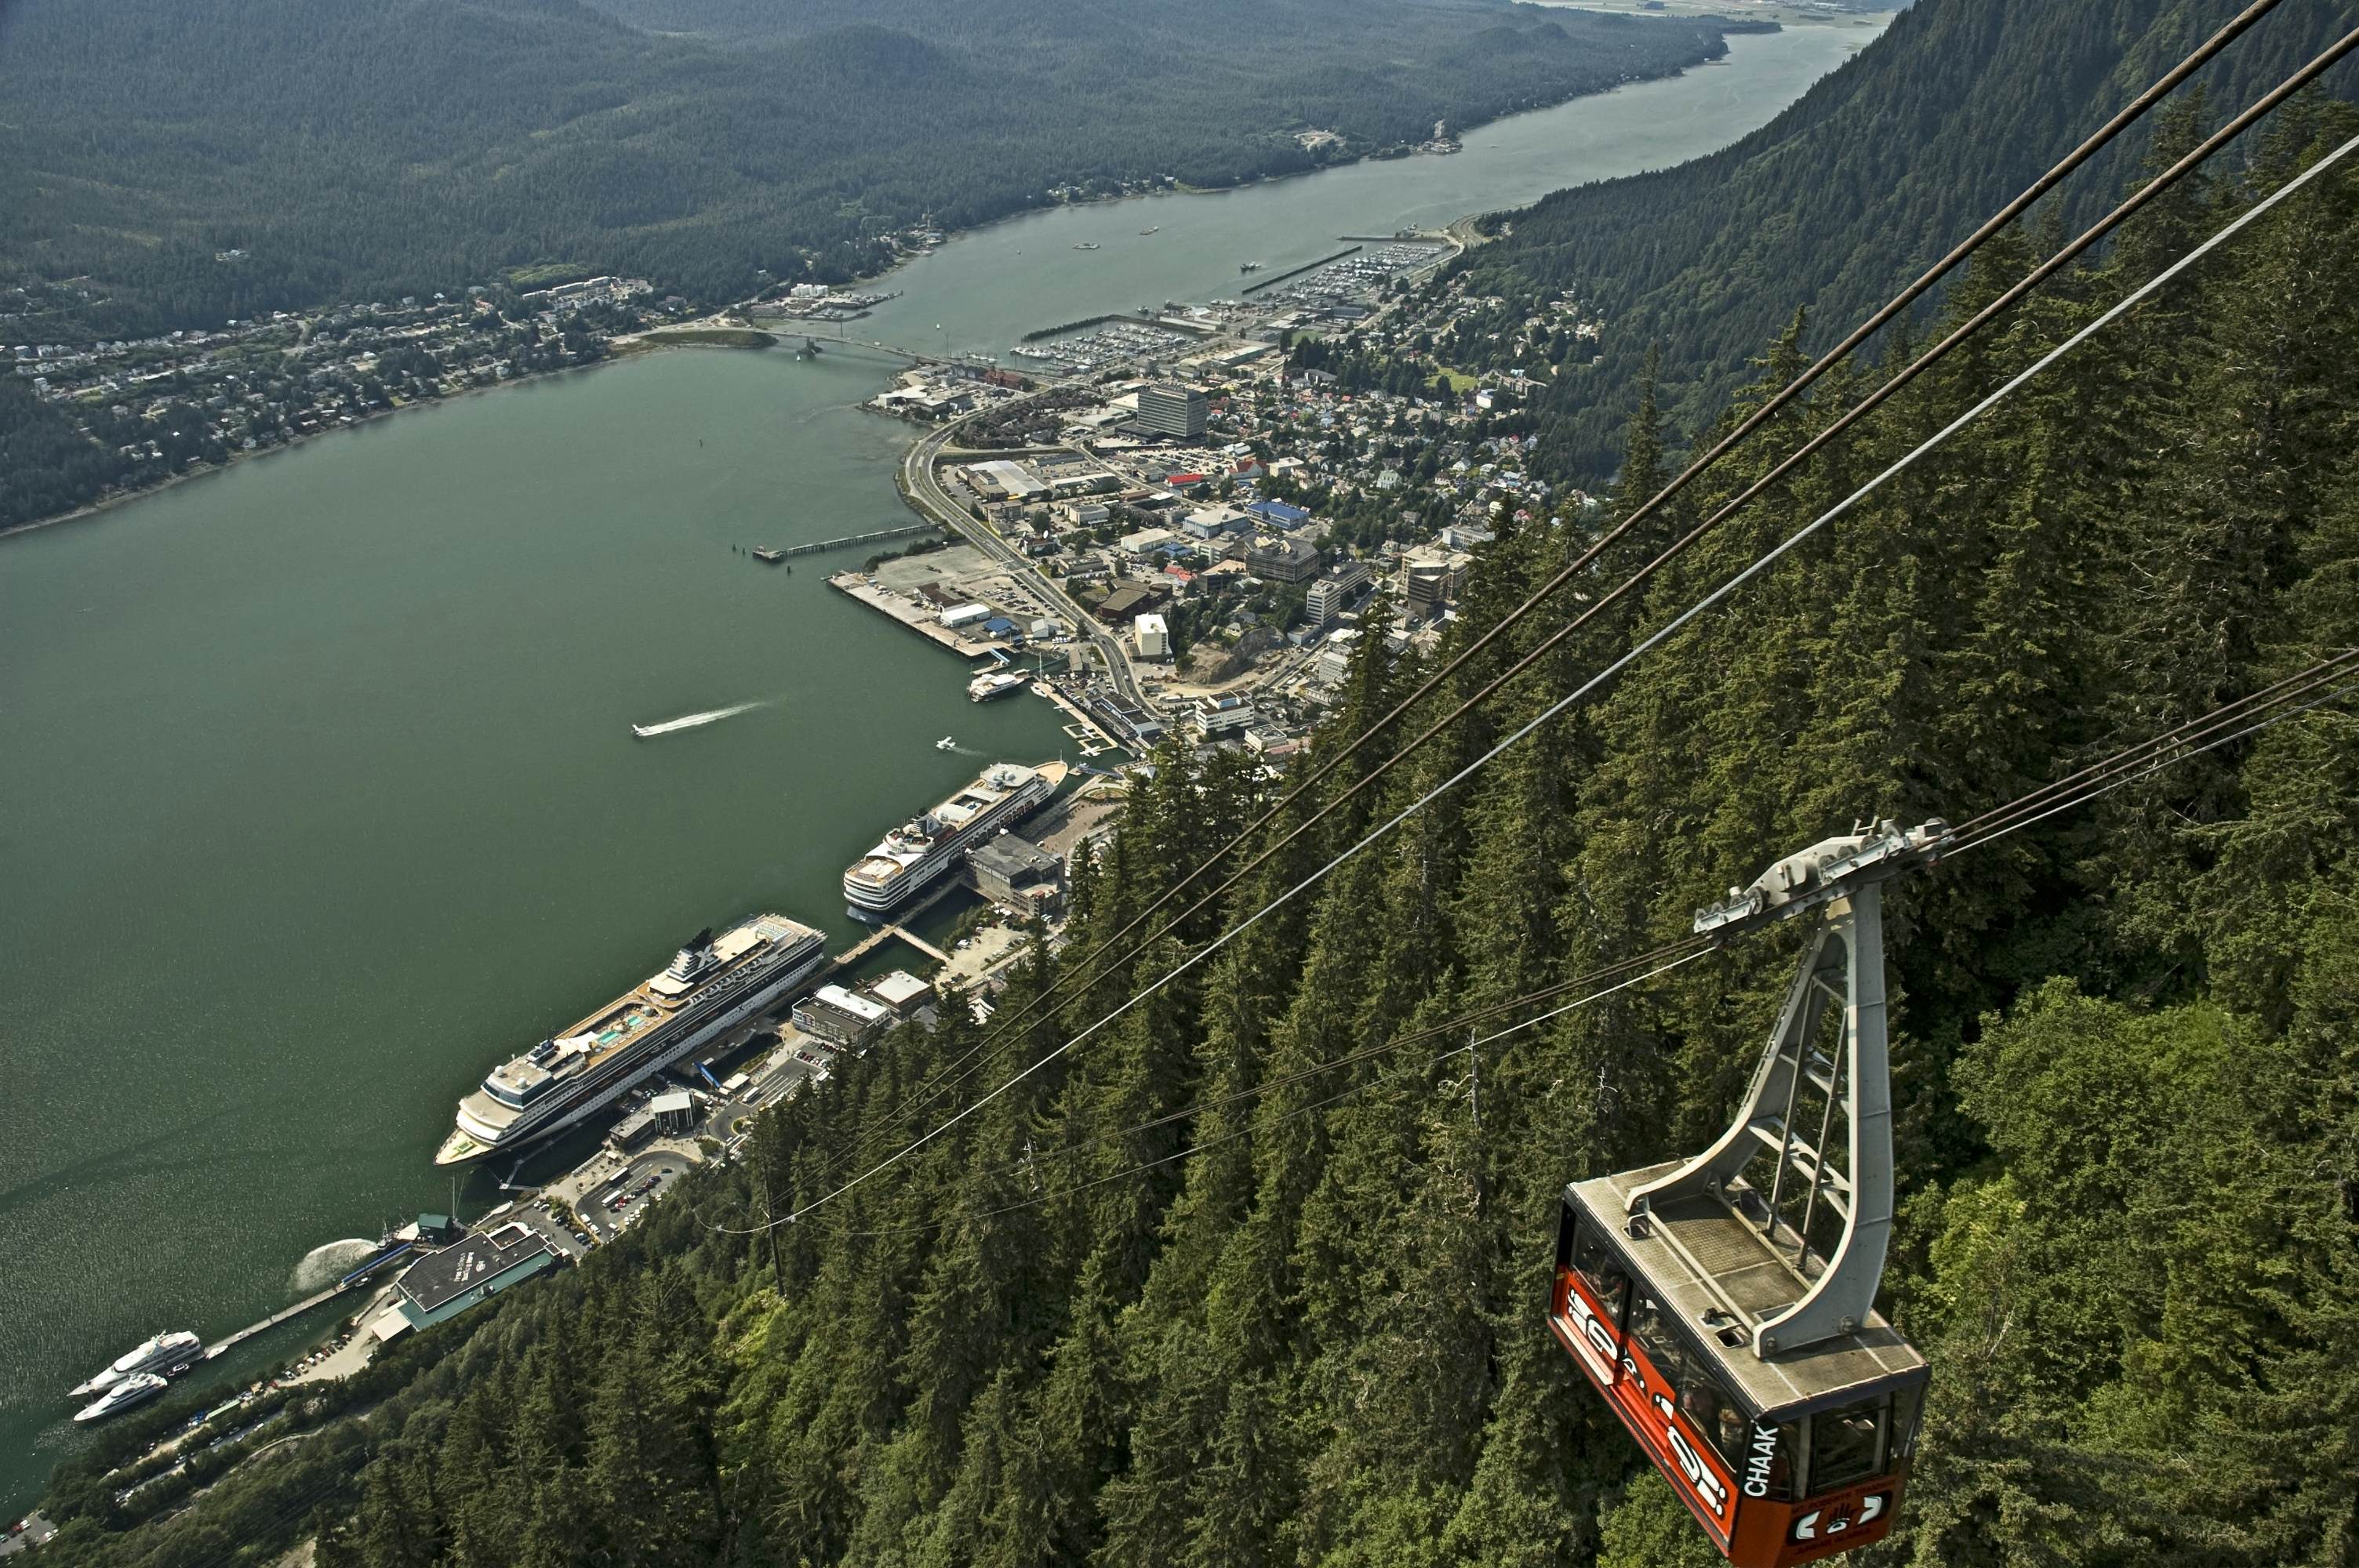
<point x="1856" y="187"/>
<point x="175" y="166"/>
<point x="1218" y="1289"/>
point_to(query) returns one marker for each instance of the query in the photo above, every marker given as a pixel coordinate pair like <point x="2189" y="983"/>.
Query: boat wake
<point x="694" y="720"/>
<point x="323" y="1266"/>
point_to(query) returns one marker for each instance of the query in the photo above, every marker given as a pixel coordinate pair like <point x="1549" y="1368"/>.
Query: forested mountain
<point x="353" y="150"/>
<point x="1855" y="188"/>
<point x="2123" y="1038"/>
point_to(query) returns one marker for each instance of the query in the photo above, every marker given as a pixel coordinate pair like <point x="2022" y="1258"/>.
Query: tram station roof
<point x="447" y="1282"/>
<point x="1739" y="1271"/>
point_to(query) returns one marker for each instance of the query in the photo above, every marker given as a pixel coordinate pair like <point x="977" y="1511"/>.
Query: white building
<point x="1215" y="717"/>
<point x="1153" y="636"/>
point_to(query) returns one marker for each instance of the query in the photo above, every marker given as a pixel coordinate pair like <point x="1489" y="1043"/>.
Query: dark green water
<point x="319" y="791"/>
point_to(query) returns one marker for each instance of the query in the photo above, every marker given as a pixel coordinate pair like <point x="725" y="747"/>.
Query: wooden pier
<point x="780" y="552"/>
<point x="283" y="1314"/>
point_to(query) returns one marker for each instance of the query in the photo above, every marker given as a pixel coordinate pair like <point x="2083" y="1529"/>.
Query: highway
<point x="925" y="491"/>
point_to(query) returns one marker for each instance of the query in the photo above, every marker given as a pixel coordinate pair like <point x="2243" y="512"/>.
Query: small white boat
<point x="946" y="745"/>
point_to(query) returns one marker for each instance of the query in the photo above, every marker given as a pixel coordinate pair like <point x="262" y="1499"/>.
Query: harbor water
<point x="322" y="792"/>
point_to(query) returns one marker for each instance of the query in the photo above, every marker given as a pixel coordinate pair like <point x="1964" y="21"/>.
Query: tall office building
<point x="1168" y="408"/>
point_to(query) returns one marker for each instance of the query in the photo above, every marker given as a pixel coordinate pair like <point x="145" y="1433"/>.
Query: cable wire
<point x="2161" y="762"/>
<point x="2195" y="729"/>
<point x="1096" y="964"/>
<point x="1678" y="624"/>
<point x="1252" y="1129"/>
<point x="924" y="1098"/>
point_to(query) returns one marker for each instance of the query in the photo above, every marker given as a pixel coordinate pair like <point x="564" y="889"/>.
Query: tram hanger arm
<point x="1825" y="871"/>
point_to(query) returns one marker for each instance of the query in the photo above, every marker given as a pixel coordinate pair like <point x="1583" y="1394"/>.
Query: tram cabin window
<point x="1847" y="1444"/>
<point x="1710" y="1410"/>
<point x="1601" y="1271"/>
<point x="1650" y="1326"/>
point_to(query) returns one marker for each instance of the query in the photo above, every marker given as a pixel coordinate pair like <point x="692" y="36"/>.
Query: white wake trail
<point x="695" y="721"/>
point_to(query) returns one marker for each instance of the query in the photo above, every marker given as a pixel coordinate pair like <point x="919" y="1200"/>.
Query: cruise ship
<point x="164" y="1353"/>
<point x="711" y="987"/>
<point x="915" y="855"/>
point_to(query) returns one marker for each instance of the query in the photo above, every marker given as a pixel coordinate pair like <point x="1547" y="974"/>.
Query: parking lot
<point x="614" y="1205"/>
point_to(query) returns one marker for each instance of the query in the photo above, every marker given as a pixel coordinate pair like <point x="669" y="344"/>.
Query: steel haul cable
<point x="2008" y="298"/>
<point x="1699" y="950"/>
<point x="2120" y="214"/>
<point x="2156" y="758"/>
<point x="2076" y="787"/>
<point x="2128" y="115"/>
<point x="2337" y="676"/>
<point x="1761" y="564"/>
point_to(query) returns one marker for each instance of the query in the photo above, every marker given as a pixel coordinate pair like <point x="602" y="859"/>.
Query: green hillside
<point x="2123" y="1053"/>
<point x="1855" y="188"/>
<point x="354" y="151"/>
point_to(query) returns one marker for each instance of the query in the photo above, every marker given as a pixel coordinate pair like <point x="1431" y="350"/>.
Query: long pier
<point x="283" y="1314"/>
<point x="1273" y="279"/>
<point x="901" y="532"/>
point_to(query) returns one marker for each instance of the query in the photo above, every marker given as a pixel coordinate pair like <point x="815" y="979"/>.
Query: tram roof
<point x="1740" y="1271"/>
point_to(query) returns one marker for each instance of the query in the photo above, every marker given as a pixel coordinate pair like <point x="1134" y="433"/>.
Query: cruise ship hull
<point x="873" y="902"/>
<point x="473" y="1141"/>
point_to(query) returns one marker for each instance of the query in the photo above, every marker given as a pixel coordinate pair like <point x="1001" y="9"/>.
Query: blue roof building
<point x="1279" y="515"/>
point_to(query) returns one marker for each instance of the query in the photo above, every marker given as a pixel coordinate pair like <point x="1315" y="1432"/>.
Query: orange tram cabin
<point x="1724" y="1305"/>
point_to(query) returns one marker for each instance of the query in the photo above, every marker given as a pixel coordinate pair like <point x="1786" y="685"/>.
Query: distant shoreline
<point x="626" y="346"/>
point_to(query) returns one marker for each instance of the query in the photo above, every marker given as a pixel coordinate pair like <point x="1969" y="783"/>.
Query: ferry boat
<point x="712" y="986"/>
<point x="164" y="1353"/>
<point x="996" y="684"/>
<point x="914" y="856"/>
<point x="135" y="1390"/>
<point x="1086" y="245"/>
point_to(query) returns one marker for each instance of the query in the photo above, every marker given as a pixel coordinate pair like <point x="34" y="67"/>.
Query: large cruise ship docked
<point x="914" y="855"/>
<point x="711" y="987"/>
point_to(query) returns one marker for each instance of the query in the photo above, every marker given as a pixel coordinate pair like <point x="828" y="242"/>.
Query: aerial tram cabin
<point x="1724" y="1305"/>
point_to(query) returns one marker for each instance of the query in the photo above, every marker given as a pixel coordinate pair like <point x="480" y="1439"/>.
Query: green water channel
<point x="320" y="790"/>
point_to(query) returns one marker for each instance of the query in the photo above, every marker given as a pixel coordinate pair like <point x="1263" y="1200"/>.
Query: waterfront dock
<point x="877" y="536"/>
<point x="1091" y="735"/>
<point x="283" y="1314"/>
<point x="918" y="618"/>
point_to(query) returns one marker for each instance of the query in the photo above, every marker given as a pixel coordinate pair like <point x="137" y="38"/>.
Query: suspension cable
<point x="1251" y="1128"/>
<point x="2193" y="730"/>
<point x="1096" y="964"/>
<point x="2156" y="758"/>
<point x="1759" y="565"/>
<point x="923" y="1098"/>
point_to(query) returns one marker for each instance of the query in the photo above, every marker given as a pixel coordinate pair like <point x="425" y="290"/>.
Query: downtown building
<point x="1166" y="408"/>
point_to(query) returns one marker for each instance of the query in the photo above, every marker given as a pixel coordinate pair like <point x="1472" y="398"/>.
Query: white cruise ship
<point x="164" y="1353"/>
<point x="916" y="854"/>
<point x="712" y="986"/>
